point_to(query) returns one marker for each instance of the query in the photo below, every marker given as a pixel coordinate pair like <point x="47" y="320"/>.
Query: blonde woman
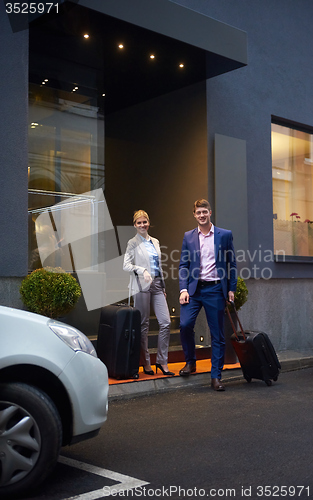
<point x="143" y="261"/>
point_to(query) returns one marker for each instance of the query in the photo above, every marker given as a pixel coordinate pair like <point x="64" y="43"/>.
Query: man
<point x="207" y="277"/>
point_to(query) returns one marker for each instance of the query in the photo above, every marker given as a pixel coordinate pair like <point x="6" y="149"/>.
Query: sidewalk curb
<point x="135" y="388"/>
<point x="296" y="364"/>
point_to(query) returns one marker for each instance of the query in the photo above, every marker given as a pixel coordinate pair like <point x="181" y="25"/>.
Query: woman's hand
<point x="147" y="276"/>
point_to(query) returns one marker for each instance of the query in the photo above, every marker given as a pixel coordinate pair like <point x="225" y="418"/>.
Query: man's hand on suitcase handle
<point x="231" y="296"/>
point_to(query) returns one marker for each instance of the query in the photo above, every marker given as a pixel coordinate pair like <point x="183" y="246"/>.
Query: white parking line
<point x="123" y="482"/>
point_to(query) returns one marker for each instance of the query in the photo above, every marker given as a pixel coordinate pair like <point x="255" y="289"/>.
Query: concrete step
<point x="153" y="338"/>
<point x="154" y="326"/>
<point x="176" y="354"/>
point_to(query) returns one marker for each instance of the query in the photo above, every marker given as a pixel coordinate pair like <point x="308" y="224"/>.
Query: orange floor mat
<point x="203" y="366"/>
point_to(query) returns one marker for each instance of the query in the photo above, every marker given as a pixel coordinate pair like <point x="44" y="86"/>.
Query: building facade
<point x="157" y="104"/>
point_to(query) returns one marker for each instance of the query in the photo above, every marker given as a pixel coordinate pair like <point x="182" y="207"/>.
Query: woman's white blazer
<point x="136" y="260"/>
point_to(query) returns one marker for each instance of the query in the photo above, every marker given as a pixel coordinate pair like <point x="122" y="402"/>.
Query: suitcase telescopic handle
<point x="232" y="323"/>
<point x="133" y="340"/>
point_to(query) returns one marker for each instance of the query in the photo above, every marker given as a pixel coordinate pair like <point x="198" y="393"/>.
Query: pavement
<point x="289" y="360"/>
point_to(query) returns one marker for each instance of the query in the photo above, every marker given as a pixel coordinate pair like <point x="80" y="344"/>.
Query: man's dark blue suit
<point x="212" y="297"/>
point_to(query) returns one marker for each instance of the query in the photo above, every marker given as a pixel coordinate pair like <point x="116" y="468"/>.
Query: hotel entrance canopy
<point x="225" y="46"/>
<point x="164" y="47"/>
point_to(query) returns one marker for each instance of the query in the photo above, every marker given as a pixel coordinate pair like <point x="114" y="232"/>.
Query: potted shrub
<point x="241" y="296"/>
<point x="50" y="291"/>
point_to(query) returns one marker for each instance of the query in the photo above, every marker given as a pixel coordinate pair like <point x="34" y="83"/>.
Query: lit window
<point x="292" y="174"/>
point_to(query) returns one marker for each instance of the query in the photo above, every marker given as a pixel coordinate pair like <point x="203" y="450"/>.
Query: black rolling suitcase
<point x="118" y="344"/>
<point x="255" y="352"/>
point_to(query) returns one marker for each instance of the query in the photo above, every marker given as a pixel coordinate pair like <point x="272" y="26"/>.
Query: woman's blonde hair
<point x="140" y="213"/>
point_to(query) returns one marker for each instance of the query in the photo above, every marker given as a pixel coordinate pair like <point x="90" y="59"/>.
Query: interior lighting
<point x="46" y="80"/>
<point x="152" y="56"/>
<point x="201" y="339"/>
<point x="86" y="36"/>
<point x="121" y="46"/>
<point x="181" y="65"/>
<point x="74" y="89"/>
<point x="103" y="95"/>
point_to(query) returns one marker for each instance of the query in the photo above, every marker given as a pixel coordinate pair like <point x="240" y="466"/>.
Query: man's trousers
<point x="212" y="299"/>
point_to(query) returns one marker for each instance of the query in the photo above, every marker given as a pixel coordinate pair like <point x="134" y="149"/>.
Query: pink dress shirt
<point x="208" y="270"/>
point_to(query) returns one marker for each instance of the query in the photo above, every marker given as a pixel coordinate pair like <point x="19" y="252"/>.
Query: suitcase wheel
<point x="268" y="382"/>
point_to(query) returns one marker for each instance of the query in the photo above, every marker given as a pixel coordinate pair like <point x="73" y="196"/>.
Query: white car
<point x="53" y="392"/>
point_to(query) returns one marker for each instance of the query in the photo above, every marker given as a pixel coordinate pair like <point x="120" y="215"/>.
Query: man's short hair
<point x="201" y="203"/>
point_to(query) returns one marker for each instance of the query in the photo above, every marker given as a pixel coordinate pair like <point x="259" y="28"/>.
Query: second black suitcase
<point x="256" y="354"/>
<point x="118" y="344"/>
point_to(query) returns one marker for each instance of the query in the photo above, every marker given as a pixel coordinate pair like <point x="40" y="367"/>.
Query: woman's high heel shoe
<point x="148" y="372"/>
<point x="157" y="365"/>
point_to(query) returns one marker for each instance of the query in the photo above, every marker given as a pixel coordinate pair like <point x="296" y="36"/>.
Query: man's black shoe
<point x="217" y="385"/>
<point x="188" y="369"/>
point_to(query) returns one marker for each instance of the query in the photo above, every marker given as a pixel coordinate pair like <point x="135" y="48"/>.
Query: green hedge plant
<point x="50" y="291"/>
<point x="241" y="295"/>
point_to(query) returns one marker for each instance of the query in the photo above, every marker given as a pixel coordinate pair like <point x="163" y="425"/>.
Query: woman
<point x="143" y="261"/>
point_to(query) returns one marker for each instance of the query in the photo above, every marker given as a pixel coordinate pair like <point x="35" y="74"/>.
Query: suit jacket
<point x="136" y="260"/>
<point x="225" y="260"/>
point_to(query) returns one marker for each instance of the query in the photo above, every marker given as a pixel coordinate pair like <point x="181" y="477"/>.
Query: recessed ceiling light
<point x="121" y="46"/>
<point x="152" y="56"/>
<point x="181" y="65"/>
<point x="86" y="35"/>
<point x="46" y="80"/>
<point x="103" y="95"/>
